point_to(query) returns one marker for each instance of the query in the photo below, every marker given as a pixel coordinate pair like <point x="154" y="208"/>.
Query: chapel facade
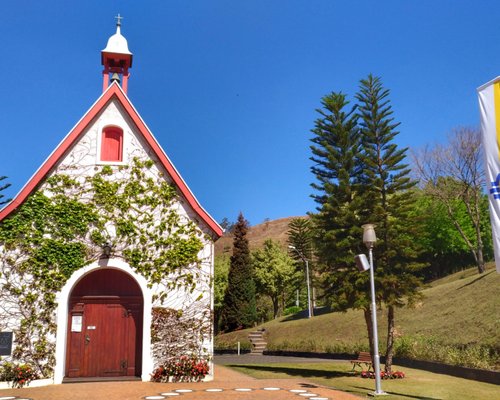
<point x="106" y="256"/>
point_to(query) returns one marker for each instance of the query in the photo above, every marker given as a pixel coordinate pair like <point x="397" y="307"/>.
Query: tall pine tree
<point x="389" y="201"/>
<point x="361" y="178"/>
<point x="239" y="310"/>
<point x="341" y="209"/>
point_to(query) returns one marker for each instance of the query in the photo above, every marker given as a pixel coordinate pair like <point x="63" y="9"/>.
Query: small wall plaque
<point x="91" y="327"/>
<point x="5" y="343"/>
<point x="76" y="323"/>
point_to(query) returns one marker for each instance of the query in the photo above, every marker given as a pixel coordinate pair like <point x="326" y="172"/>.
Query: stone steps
<point x="259" y="344"/>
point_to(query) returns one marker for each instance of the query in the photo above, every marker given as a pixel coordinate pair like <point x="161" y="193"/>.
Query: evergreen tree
<point x="388" y="203"/>
<point x="3" y="187"/>
<point x="361" y="178"/>
<point x="239" y="301"/>
<point x="300" y="239"/>
<point x="338" y="170"/>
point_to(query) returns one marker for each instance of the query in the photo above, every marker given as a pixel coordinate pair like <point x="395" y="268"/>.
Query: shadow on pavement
<point x="301" y="372"/>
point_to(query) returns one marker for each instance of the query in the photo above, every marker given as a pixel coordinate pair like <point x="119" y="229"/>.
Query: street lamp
<point x="369" y="240"/>
<point x="306" y="261"/>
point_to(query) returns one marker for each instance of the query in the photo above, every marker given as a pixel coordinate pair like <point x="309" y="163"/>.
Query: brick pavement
<point x="224" y="386"/>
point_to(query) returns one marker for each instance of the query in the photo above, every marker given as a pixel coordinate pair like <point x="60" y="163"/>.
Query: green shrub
<point x="231" y="345"/>
<point x="292" y="310"/>
<point x="432" y="349"/>
<point x="320" y="347"/>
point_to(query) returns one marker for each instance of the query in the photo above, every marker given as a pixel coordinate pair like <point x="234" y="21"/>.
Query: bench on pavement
<point x="365" y="358"/>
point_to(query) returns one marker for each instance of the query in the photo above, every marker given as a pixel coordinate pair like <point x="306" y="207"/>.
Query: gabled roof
<point x="114" y="91"/>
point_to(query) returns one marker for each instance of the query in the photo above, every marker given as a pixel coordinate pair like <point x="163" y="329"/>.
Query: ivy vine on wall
<point x="63" y="226"/>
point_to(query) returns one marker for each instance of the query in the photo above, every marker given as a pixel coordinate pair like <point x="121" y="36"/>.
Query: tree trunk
<point x="368" y="319"/>
<point x="480" y="257"/>
<point x="283" y="303"/>
<point x="390" y="340"/>
<point x="276" y="306"/>
<point x="480" y="261"/>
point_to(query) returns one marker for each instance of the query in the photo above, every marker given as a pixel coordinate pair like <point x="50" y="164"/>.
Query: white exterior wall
<point x="81" y="162"/>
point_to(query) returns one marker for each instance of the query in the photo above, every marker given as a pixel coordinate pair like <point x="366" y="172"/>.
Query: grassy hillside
<point x="460" y="309"/>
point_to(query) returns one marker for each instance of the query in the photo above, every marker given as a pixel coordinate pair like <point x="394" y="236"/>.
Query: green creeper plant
<point x="63" y="226"/>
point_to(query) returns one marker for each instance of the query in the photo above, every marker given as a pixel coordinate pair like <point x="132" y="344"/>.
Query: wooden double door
<point x="104" y="336"/>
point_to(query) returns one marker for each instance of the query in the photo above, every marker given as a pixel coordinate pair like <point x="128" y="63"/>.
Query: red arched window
<point x="112" y="144"/>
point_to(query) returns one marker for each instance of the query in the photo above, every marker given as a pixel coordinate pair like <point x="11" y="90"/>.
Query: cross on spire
<point x="118" y="20"/>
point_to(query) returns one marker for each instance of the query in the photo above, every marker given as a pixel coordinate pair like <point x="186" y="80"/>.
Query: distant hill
<point x="257" y="235"/>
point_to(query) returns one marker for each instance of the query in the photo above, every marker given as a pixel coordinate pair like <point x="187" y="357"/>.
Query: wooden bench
<point x="365" y="358"/>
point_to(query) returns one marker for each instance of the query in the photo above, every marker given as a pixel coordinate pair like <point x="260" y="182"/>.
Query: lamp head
<point x="362" y="262"/>
<point x="369" y="237"/>
<point x="106" y="250"/>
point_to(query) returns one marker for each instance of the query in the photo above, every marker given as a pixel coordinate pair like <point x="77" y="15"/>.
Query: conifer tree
<point x="361" y="178"/>
<point x="388" y="203"/>
<point x="239" y="301"/>
<point x="338" y="170"/>
<point x="300" y="237"/>
<point x="300" y="242"/>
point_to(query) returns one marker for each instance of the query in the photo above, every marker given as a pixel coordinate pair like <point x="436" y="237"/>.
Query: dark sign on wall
<point x="5" y="343"/>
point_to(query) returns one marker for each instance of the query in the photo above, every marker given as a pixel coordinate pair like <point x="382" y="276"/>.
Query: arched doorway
<point x="105" y="313"/>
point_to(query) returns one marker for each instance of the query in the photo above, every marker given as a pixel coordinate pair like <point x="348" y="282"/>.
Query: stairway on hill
<point x="258" y="342"/>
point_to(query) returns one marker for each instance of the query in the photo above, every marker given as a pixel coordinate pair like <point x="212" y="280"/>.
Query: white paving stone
<point x="298" y="391"/>
<point x="169" y="394"/>
<point x="243" y="390"/>
<point x="308" y="394"/>
<point x="272" y="388"/>
<point x="214" y="390"/>
<point x="154" y="397"/>
<point x="183" y="390"/>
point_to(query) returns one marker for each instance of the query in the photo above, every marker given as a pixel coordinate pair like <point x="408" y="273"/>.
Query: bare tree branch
<point x="454" y="173"/>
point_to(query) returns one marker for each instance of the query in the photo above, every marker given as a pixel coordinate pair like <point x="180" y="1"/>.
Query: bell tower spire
<point x="116" y="58"/>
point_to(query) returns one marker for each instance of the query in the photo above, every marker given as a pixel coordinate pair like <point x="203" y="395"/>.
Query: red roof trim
<point x="113" y="91"/>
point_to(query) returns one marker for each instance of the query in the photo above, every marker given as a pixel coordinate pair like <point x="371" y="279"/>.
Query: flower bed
<point x="17" y="374"/>
<point x="181" y="369"/>
<point x="383" y="375"/>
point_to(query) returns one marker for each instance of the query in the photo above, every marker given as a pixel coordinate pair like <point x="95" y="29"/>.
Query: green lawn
<point x="417" y="384"/>
<point x="458" y="310"/>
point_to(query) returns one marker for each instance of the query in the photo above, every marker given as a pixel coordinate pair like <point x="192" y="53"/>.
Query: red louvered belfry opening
<point x="112" y="144"/>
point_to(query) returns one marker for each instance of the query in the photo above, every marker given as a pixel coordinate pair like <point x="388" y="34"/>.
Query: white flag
<point x="489" y="107"/>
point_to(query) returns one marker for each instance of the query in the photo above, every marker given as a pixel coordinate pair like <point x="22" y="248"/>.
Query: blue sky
<point x="229" y="88"/>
